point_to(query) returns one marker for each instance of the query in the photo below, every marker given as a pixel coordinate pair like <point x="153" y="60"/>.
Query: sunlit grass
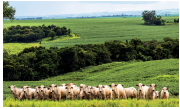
<point x="15" y="48"/>
<point x="9" y="102"/>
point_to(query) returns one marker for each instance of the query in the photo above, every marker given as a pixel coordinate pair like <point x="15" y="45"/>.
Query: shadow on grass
<point x="151" y="24"/>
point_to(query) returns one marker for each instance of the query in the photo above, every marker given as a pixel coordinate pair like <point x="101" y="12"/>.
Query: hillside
<point x="164" y="73"/>
<point x="99" y="30"/>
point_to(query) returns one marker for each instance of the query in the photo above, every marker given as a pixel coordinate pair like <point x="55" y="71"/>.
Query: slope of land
<point x="99" y="30"/>
<point x="163" y="73"/>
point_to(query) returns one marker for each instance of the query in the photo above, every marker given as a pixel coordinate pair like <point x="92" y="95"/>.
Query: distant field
<point x="164" y="73"/>
<point x="15" y="48"/>
<point x="99" y="30"/>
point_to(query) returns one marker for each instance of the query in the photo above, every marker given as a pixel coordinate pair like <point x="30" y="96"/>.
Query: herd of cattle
<point x="71" y="91"/>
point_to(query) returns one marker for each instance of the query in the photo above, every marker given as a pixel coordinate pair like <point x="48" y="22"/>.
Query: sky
<point x="43" y="8"/>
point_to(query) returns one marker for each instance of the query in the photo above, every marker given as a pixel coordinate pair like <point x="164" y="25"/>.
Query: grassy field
<point x="15" y="48"/>
<point x="92" y="103"/>
<point x="164" y="73"/>
<point x="99" y="30"/>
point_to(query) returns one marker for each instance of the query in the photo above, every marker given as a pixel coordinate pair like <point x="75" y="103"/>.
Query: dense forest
<point x="36" y="63"/>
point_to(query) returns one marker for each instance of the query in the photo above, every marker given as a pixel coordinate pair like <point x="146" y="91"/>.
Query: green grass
<point x="92" y="103"/>
<point x="15" y="48"/>
<point x="163" y="73"/>
<point x="99" y="30"/>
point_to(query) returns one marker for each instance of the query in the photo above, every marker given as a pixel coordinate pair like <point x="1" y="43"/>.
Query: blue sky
<point x="41" y="8"/>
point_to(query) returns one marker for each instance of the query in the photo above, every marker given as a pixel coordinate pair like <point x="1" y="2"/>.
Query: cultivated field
<point x="99" y="30"/>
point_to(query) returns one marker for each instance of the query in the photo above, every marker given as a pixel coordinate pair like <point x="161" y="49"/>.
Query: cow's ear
<point x="116" y="85"/>
<point x="109" y="85"/>
<point x="167" y="88"/>
<point x="39" y="87"/>
<point x="123" y="85"/>
<point x="97" y="86"/>
<point x="81" y="87"/>
<point x="66" y="84"/>
<point x="150" y="85"/>
<point x="159" y="91"/>
<point x="65" y="87"/>
<point x="55" y="86"/>
<point x="91" y="88"/>
<point x="155" y="85"/>
<point x="48" y="88"/>
<point x="103" y="87"/>
<point x="71" y="87"/>
<point x="27" y="87"/>
<point x="137" y="85"/>
<point x="21" y="87"/>
<point x="143" y="85"/>
<point x="44" y="87"/>
<point x="86" y="86"/>
<point x="9" y="87"/>
<point x="49" y="85"/>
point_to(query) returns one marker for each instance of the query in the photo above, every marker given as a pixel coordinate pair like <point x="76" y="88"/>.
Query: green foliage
<point x="59" y="32"/>
<point x="176" y="21"/>
<point x="150" y="18"/>
<point x="8" y="11"/>
<point x="52" y="34"/>
<point x="29" y="34"/>
<point x="62" y="60"/>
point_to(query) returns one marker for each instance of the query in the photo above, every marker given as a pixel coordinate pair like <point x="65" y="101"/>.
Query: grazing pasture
<point x="99" y="30"/>
<point x="164" y="73"/>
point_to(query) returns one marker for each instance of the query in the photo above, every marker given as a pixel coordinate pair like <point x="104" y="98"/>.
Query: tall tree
<point x="8" y="11"/>
<point x="149" y="16"/>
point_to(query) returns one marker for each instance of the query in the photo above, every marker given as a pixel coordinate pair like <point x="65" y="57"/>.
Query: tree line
<point x="28" y="34"/>
<point x="37" y="63"/>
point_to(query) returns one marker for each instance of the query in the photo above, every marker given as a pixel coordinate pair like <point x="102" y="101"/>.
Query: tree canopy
<point x="8" y="11"/>
<point x="150" y="17"/>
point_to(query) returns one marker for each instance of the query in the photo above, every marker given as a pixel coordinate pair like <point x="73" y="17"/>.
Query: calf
<point x="87" y="92"/>
<point x="60" y="92"/>
<point x="130" y="92"/>
<point x="16" y="92"/>
<point x="52" y="88"/>
<point x="36" y="92"/>
<point x="95" y="92"/>
<point x="118" y="91"/>
<point x="156" y="94"/>
<point x="29" y="92"/>
<point x="150" y="92"/>
<point x="69" y="92"/>
<point x="104" y="92"/>
<point x="47" y="93"/>
<point x="81" y="93"/>
<point x="164" y="93"/>
<point x="142" y="91"/>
